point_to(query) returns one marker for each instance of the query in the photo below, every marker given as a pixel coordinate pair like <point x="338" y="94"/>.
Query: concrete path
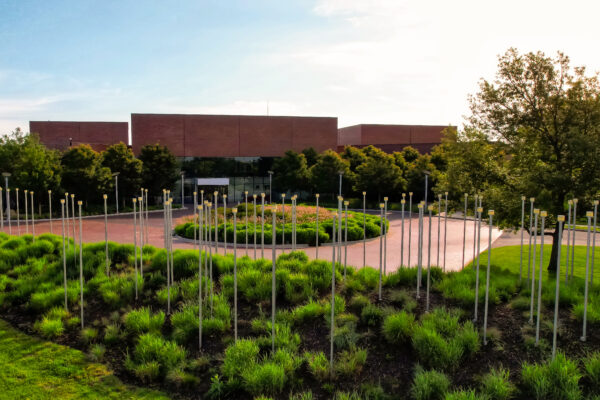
<point x="120" y="229"/>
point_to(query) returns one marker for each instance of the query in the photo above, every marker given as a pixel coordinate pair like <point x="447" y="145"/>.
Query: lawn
<point x="36" y="369"/>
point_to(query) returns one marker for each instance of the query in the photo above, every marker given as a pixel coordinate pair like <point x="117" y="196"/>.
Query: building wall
<point x="100" y="135"/>
<point x="390" y="138"/>
<point x="233" y="135"/>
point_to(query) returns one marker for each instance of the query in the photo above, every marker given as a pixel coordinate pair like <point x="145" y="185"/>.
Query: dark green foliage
<point x="371" y="315"/>
<point x="554" y="380"/>
<point x="307" y="313"/>
<point x="318" y="365"/>
<point x="397" y="328"/>
<point x="345" y="336"/>
<point x="429" y="385"/>
<point x="49" y="328"/>
<point x="496" y="385"/>
<point x="154" y="357"/>
<point x="351" y="362"/>
<point x="144" y="321"/>
<point x="591" y="366"/>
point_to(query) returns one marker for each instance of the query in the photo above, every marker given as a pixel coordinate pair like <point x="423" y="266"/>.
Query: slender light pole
<point x="116" y="175"/>
<point x="574" y="231"/>
<point x="224" y="223"/>
<point x="536" y="213"/>
<point x="200" y="302"/>
<point x="531" y="201"/>
<point x="403" y="202"/>
<point x="6" y="175"/>
<point x="346" y="237"/>
<point x="64" y="253"/>
<point x="246" y="218"/>
<point x="561" y="219"/>
<point x="339" y="228"/>
<point x="26" y="210"/>
<point x="166" y="244"/>
<point x="262" y="225"/>
<point x="364" y="228"/>
<point x="464" y="231"/>
<point x="543" y="214"/>
<point x="430" y="209"/>
<point x="18" y="213"/>
<point x="474" y="228"/>
<point x="135" y="263"/>
<point x="439" y="227"/>
<point x="589" y="216"/>
<point x="445" y="227"/>
<point x="67" y="216"/>
<point x="317" y="234"/>
<point x="273" y="283"/>
<point x="183" y="191"/>
<point x="594" y="243"/>
<point x="568" y="225"/>
<point x="410" y="195"/>
<point x="1" y="210"/>
<point x="487" y="278"/>
<point x="195" y="207"/>
<point x="147" y="220"/>
<point x="523" y="198"/>
<point x="216" y="194"/>
<point x="80" y="257"/>
<point x="254" y="224"/>
<point x="140" y="200"/>
<point x="235" y="313"/>
<point x="106" y="233"/>
<point x="332" y="323"/>
<point x="381" y="205"/>
<point x="33" y="218"/>
<point x="385" y="201"/>
<point x="478" y="220"/>
<point x="419" y="248"/>
<point x="341" y="174"/>
<point x="72" y="219"/>
<point x="50" y="209"/>
<point x="426" y="182"/>
<point x="283" y="222"/>
<point x="270" y="186"/>
<point x="210" y="258"/>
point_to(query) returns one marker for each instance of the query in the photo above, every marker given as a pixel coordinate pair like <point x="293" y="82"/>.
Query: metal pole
<point x="140" y="199"/>
<point x="262" y="225"/>
<point x="80" y="256"/>
<point x="33" y="218"/>
<point x="574" y="231"/>
<point x="543" y="214"/>
<point x="210" y="261"/>
<point x="332" y="323"/>
<point x="339" y="228"/>
<point x="561" y="219"/>
<point x="18" y="213"/>
<point x="254" y="205"/>
<point x="464" y="231"/>
<point x="67" y="217"/>
<point x="403" y="202"/>
<point x="381" y="205"/>
<point x="217" y="224"/>
<point x="282" y="222"/>
<point x="419" y="248"/>
<point x="6" y="175"/>
<point x="522" y="228"/>
<point x="474" y="229"/>
<point x="64" y="254"/>
<point x="589" y="216"/>
<point x="487" y="278"/>
<point x="340" y="184"/>
<point x="147" y="219"/>
<point x="224" y="223"/>
<point x="270" y="187"/>
<point x="430" y="209"/>
<point x="195" y="206"/>
<point x="235" y="313"/>
<point x="385" y="200"/>
<point x="478" y="234"/>
<point x="536" y="213"/>
<point x="445" y="228"/>
<point x="364" y="228"/>
<point x="1" y="210"/>
<point x="570" y="202"/>
<point x="426" y="178"/>
<point x="246" y="219"/>
<point x="135" y="246"/>
<point x="594" y="243"/>
<point x="26" y="211"/>
<point x="72" y="220"/>
<point x="439" y="226"/>
<point x="106" y="233"/>
<point x="346" y="239"/>
<point x="410" y="195"/>
<point x="117" y="192"/>
<point x="200" y="302"/>
<point x="183" y="194"/>
<point x="166" y="243"/>
<point x="50" y="209"/>
<point x="273" y="283"/>
<point x="317" y="234"/>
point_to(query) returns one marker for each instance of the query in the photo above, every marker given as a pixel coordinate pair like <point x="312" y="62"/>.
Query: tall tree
<point x="84" y="175"/>
<point x="546" y="117"/>
<point x="324" y="175"/>
<point x="119" y="158"/>
<point x="379" y="174"/>
<point x="290" y="172"/>
<point x="160" y="169"/>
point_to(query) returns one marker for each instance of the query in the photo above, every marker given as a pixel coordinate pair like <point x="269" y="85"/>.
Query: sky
<point x="370" y="61"/>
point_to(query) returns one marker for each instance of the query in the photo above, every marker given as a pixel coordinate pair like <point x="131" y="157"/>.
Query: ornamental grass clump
<point x="371" y="316"/>
<point x="496" y="385"/>
<point x="553" y="380"/>
<point x="591" y="366"/>
<point x="318" y="365"/>
<point x="154" y="357"/>
<point x="350" y="362"/>
<point x="143" y="321"/>
<point x="307" y="313"/>
<point x="429" y="385"/>
<point x="49" y="328"/>
<point x="398" y="328"/>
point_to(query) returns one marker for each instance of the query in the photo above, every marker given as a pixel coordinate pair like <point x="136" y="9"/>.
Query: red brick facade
<point x="59" y="134"/>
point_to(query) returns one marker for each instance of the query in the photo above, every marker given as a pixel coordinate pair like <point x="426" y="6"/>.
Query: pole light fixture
<point x="116" y="175"/>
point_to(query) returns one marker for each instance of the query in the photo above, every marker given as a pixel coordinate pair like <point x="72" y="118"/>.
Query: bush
<point x="402" y="277"/>
<point x="371" y="315"/>
<point x="345" y="337"/>
<point x="112" y="334"/>
<point x="403" y="299"/>
<point x="97" y="352"/>
<point x="298" y="288"/>
<point x="464" y="395"/>
<point x="49" y="328"/>
<point x="264" y="378"/>
<point x="89" y="335"/>
<point x="153" y="351"/>
<point x="351" y="362"/>
<point x="358" y="302"/>
<point x="591" y="366"/>
<point x="496" y="385"/>
<point x="307" y="313"/>
<point x="143" y="321"/>
<point x="185" y="324"/>
<point x="429" y="385"/>
<point x="318" y="365"/>
<point x="239" y="357"/>
<point x="397" y="328"/>
<point x="554" y="380"/>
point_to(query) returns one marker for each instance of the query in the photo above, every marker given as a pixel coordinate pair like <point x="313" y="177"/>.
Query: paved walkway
<point x="120" y="229"/>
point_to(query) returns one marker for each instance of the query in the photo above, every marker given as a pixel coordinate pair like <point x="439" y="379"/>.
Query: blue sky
<point x="377" y="61"/>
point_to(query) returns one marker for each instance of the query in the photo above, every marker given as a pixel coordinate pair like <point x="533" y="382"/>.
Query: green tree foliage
<point x="324" y="175"/>
<point x="32" y="165"/>
<point x="160" y="169"/>
<point x="84" y="174"/>
<point x="311" y="156"/>
<point x="119" y="158"/>
<point x="543" y="121"/>
<point x="291" y="172"/>
<point x="379" y="175"/>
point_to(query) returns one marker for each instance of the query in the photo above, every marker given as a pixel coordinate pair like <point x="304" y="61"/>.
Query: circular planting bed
<point x="306" y="224"/>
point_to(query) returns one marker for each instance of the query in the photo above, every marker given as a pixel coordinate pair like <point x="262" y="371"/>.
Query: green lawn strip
<point x="35" y="369"/>
<point x="508" y="257"/>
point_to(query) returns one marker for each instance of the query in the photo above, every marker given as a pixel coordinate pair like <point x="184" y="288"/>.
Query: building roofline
<point x="234" y="115"/>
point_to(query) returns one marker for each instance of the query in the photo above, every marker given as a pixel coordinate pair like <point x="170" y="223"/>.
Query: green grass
<point x="35" y="369"/>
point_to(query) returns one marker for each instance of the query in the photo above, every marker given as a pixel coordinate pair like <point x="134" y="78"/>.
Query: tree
<point x="160" y="169"/>
<point x="311" y="156"/>
<point x="84" y="175"/>
<point x="379" y="174"/>
<point x="324" y="175"/>
<point x="32" y="165"/>
<point x="547" y="120"/>
<point x="290" y="172"/>
<point x="119" y="158"/>
<point x="410" y="154"/>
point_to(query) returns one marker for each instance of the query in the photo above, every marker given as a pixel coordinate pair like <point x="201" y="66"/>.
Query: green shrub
<point x="57" y="313"/>
<point x="520" y="303"/>
<point x="351" y="362"/>
<point x="89" y="335"/>
<point x="151" y="349"/>
<point x="298" y="288"/>
<point x="402" y="277"/>
<point x="143" y="321"/>
<point x="307" y="313"/>
<point x="403" y="299"/>
<point x="339" y="307"/>
<point x="185" y="324"/>
<point x="358" y="302"/>
<point x="318" y="365"/>
<point x="346" y="396"/>
<point x="496" y="385"/>
<point x="264" y="378"/>
<point x="554" y="380"/>
<point x="239" y="357"/>
<point x="397" y="328"/>
<point x="178" y="378"/>
<point x="371" y="315"/>
<point x="97" y="353"/>
<point x="591" y="365"/>
<point x="345" y="337"/>
<point x="49" y="328"/>
<point x="464" y="395"/>
<point x="112" y="334"/>
<point x="429" y="385"/>
<point x="119" y="290"/>
<point x="302" y="396"/>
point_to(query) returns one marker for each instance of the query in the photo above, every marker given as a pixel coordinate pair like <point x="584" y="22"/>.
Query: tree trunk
<point x="554" y="252"/>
